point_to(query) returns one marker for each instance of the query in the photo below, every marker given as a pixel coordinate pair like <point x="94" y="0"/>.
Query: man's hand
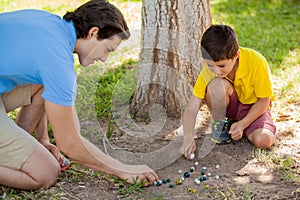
<point x="54" y="151"/>
<point x="142" y="173"/>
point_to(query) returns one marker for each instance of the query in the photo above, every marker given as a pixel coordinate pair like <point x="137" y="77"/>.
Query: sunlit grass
<point x="272" y="26"/>
<point x="55" y="6"/>
<point x="286" y="166"/>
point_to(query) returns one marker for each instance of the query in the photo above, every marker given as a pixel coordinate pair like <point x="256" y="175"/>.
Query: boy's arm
<point x="66" y="129"/>
<point x="189" y="118"/>
<point x="258" y="108"/>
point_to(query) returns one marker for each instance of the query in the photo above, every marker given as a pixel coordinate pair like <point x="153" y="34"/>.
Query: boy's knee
<point x="264" y="140"/>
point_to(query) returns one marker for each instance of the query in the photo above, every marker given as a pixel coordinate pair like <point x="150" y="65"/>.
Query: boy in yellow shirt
<point x="235" y="83"/>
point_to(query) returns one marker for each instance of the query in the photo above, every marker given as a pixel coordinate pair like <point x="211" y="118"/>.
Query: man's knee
<point x="42" y="167"/>
<point x="51" y="178"/>
<point x="47" y="179"/>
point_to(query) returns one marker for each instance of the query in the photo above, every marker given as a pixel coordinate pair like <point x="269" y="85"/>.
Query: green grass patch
<point x="286" y="166"/>
<point x="158" y="196"/>
<point x="56" y="6"/>
<point x="271" y="27"/>
<point x="125" y="189"/>
<point x="248" y="195"/>
<point x="116" y="85"/>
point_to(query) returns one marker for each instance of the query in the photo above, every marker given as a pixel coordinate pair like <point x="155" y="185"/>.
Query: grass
<point x="271" y="27"/>
<point x="158" y="197"/>
<point x="116" y="84"/>
<point x="54" y="6"/>
<point x="263" y="155"/>
<point x="285" y="166"/>
<point x="126" y="190"/>
<point x="248" y="195"/>
<point x="229" y="193"/>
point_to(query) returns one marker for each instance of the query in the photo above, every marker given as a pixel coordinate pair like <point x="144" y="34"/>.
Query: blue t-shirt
<point x="36" y="47"/>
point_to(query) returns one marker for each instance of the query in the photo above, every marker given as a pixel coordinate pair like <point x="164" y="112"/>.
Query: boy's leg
<point x="24" y="163"/>
<point x="261" y="132"/>
<point x="262" y="138"/>
<point x="217" y="97"/>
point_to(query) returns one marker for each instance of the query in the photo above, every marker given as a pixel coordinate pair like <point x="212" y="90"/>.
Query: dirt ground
<point x="243" y="172"/>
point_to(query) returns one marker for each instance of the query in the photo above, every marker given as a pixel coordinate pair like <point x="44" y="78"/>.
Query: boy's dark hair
<point x="219" y="42"/>
<point x="101" y="14"/>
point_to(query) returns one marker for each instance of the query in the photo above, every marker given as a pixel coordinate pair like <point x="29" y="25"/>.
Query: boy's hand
<point x="236" y="131"/>
<point x="188" y="149"/>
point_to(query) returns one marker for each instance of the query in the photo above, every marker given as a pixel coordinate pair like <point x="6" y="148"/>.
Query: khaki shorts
<point x="16" y="145"/>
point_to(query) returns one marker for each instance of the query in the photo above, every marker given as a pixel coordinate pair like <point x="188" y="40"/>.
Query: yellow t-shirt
<point x="252" y="78"/>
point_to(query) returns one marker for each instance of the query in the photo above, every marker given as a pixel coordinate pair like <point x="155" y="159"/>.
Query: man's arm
<point x="259" y="107"/>
<point x="189" y="119"/>
<point x="66" y="129"/>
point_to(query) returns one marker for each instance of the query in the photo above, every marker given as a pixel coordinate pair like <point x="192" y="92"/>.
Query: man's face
<point x="97" y="50"/>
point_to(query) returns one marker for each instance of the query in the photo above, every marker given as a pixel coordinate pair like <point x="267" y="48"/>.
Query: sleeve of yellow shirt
<point x="204" y="77"/>
<point x="263" y="81"/>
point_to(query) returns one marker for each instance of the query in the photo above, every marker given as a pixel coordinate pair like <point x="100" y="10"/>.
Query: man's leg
<point x="31" y="115"/>
<point x="40" y="170"/>
<point x="33" y="118"/>
<point x="24" y="163"/>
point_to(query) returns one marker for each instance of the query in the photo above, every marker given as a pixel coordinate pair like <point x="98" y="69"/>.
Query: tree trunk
<point x="170" y="58"/>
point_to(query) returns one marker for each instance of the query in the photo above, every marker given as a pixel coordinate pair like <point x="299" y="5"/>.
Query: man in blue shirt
<point x="37" y="74"/>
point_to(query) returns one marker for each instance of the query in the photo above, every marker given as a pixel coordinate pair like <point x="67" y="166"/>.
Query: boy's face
<point x="222" y="68"/>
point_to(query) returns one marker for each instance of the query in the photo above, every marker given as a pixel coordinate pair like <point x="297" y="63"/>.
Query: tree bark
<point x="170" y="58"/>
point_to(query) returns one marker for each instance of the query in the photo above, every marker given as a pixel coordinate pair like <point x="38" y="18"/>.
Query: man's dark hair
<point x="219" y="42"/>
<point x="101" y="14"/>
